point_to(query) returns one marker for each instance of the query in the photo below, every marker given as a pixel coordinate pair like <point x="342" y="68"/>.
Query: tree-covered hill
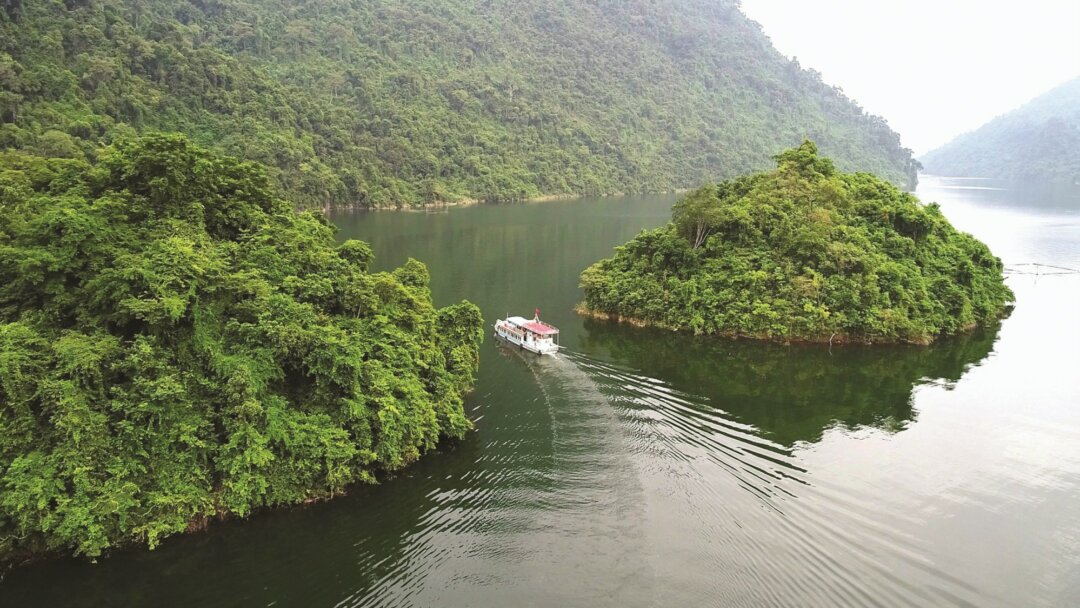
<point x="803" y="252"/>
<point x="178" y="344"/>
<point x="387" y="102"/>
<point x="1040" y="140"/>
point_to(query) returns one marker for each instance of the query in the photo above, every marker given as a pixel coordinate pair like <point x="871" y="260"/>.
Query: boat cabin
<point x="531" y="334"/>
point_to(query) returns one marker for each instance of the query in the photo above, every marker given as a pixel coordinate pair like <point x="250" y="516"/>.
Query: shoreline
<point x="202" y="524"/>
<point x="834" y="339"/>
<point x="471" y="202"/>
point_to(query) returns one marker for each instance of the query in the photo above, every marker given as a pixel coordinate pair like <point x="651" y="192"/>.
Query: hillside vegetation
<point x="1038" y="141"/>
<point x="177" y="344"/>
<point x="408" y="101"/>
<point x="803" y="252"/>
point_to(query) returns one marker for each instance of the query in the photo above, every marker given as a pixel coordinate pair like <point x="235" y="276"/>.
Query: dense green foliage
<point x="794" y="393"/>
<point x="1040" y="140"/>
<point x="807" y="253"/>
<point x="176" y="344"/>
<point x="389" y="102"/>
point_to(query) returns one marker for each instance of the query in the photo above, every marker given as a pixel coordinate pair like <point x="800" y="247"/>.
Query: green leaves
<point x="177" y="344"/>
<point x="803" y="253"/>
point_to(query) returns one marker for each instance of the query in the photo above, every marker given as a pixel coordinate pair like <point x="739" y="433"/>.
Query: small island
<point x="802" y="253"/>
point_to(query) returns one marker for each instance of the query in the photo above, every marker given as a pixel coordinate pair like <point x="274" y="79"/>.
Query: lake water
<point x="645" y="468"/>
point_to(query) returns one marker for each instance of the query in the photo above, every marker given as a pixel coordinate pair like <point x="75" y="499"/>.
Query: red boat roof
<point x="542" y="329"/>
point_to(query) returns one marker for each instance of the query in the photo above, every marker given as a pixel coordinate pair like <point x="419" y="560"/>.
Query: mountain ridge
<point x="1038" y="140"/>
<point x="393" y="102"/>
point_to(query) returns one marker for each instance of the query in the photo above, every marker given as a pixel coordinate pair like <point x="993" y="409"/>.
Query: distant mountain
<point x="384" y="102"/>
<point x="1040" y="140"/>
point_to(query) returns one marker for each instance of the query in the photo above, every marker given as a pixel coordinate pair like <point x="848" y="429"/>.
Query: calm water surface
<point x="644" y="468"/>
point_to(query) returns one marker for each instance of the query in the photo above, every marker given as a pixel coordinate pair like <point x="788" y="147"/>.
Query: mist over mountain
<point x="401" y="102"/>
<point x="1040" y="140"/>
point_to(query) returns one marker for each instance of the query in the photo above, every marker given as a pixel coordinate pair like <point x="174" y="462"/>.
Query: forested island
<point x="1037" y="141"/>
<point x="802" y="253"/>
<point x="403" y="102"/>
<point x="177" y="344"/>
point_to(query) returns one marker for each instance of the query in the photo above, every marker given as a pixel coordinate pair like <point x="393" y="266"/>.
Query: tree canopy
<point x="176" y="344"/>
<point x="803" y="252"/>
<point x="412" y="101"/>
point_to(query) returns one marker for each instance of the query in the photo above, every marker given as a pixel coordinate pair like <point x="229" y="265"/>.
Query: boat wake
<point x="611" y="487"/>
<point x="720" y="493"/>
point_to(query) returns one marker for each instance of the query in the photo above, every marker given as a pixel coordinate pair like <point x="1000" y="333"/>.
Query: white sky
<point x="933" y="68"/>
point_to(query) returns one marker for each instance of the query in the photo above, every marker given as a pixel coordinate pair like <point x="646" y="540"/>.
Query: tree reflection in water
<point x="792" y="393"/>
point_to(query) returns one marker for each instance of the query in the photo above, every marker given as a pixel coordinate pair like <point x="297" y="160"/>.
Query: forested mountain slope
<point x="1040" y="140"/>
<point x="381" y="102"/>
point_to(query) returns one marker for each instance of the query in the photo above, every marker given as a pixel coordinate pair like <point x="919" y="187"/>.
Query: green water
<point x="645" y="468"/>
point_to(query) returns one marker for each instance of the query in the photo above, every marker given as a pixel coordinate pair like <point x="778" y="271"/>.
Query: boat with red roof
<point x="532" y="335"/>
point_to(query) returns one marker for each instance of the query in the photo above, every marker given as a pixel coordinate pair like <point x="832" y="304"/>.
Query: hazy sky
<point x="933" y="68"/>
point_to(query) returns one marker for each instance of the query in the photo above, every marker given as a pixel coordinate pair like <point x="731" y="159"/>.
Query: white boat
<point x="532" y="335"/>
